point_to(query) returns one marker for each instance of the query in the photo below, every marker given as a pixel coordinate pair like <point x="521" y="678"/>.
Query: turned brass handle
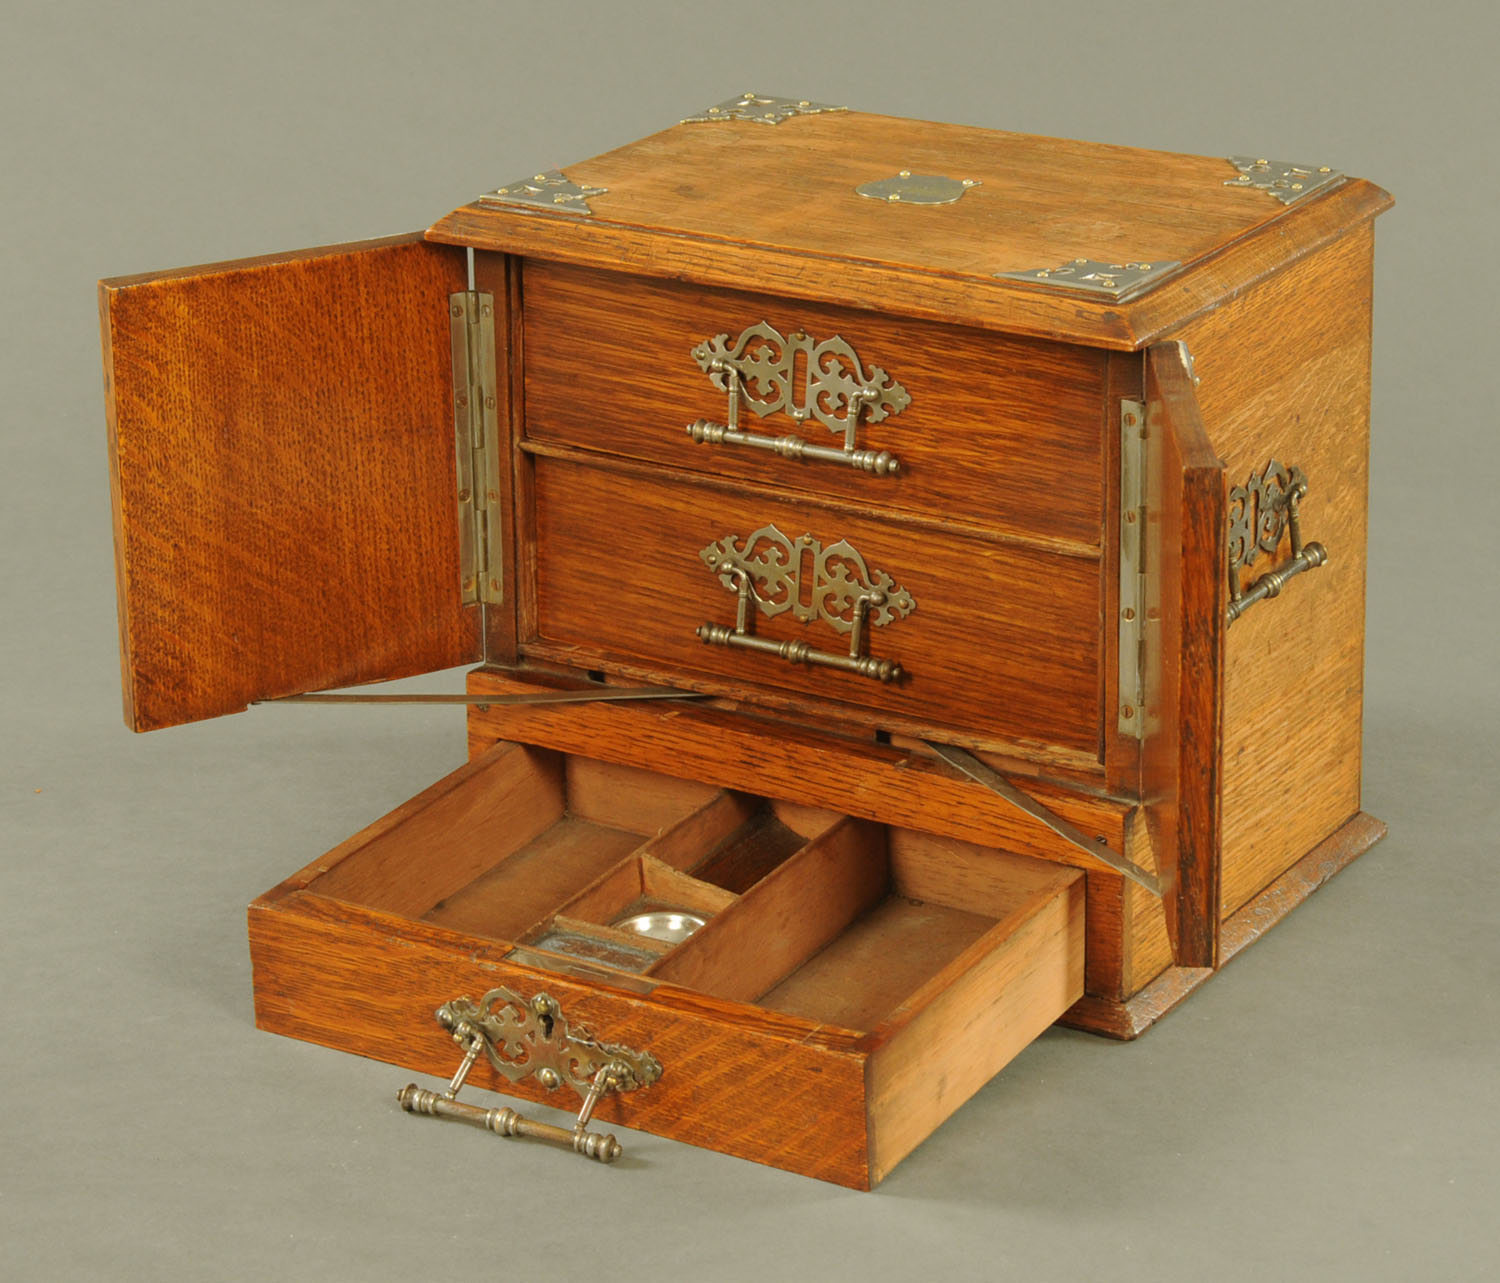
<point x="881" y="463"/>
<point x="815" y="582"/>
<point x="506" y="1122"/>
<point x="523" y="1038"/>
<point x="1270" y="584"/>
<point x="742" y="635"/>
<point x="805" y="379"/>
<point x="1259" y="513"/>
<point x="799" y="652"/>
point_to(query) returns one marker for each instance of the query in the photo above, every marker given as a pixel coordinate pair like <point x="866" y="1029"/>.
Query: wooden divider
<point x="784" y="918"/>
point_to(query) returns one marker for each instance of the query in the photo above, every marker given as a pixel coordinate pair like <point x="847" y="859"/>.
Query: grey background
<point x="1326" y="1108"/>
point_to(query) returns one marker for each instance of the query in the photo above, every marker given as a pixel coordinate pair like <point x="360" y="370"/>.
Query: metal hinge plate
<point x="552" y="191"/>
<point x="764" y="109"/>
<point x="1115" y="281"/>
<point x="1287" y="182"/>
<point x="471" y="319"/>
<point x="1131" y="712"/>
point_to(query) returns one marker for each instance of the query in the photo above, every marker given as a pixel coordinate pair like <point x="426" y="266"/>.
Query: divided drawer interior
<point x="921" y="964"/>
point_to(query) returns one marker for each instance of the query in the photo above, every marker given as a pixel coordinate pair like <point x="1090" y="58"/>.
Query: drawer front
<point x="846" y="988"/>
<point x="1000" y="432"/>
<point x="996" y="639"/>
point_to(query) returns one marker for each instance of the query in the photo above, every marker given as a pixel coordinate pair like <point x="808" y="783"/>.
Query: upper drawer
<point x="1003" y="432"/>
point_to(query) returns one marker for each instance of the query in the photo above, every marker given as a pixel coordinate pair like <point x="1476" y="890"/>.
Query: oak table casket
<point x="915" y="580"/>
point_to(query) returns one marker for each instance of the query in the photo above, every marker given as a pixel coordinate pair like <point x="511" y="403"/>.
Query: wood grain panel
<point x="1285" y="374"/>
<point x="1002" y="641"/>
<point x="878" y="961"/>
<point x="628" y="798"/>
<point x="1148" y="945"/>
<point x="1003" y="432"/>
<point x="531" y="883"/>
<point x="851" y="776"/>
<point x="435" y="795"/>
<point x="281" y="457"/>
<point x="730" y="203"/>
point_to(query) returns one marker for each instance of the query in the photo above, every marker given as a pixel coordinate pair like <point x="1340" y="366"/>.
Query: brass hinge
<point x="1131" y="711"/>
<point x="471" y="317"/>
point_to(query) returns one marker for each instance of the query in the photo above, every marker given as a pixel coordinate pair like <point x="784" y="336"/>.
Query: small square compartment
<point x="850" y="986"/>
<point x="595" y="924"/>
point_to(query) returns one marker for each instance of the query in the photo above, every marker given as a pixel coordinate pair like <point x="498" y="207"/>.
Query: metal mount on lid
<point x="1112" y="280"/>
<point x="908" y="188"/>
<point x="553" y="190"/>
<point x="1287" y="182"/>
<point x="764" y="109"/>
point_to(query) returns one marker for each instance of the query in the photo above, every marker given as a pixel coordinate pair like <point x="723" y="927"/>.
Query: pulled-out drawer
<point x="782" y="984"/>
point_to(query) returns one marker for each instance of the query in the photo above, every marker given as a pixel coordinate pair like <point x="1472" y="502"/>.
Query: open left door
<point x="1186" y="559"/>
<point x="282" y="472"/>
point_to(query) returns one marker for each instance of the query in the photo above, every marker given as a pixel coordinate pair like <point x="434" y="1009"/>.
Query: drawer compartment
<point x="1001" y="432"/>
<point x="850" y="985"/>
<point x="1001" y="641"/>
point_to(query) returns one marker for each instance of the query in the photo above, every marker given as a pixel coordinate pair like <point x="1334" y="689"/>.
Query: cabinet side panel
<point x="1284" y="374"/>
<point x="281" y="451"/>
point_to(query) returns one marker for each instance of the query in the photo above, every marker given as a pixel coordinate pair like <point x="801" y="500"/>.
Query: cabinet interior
<point x="804" y="912"/>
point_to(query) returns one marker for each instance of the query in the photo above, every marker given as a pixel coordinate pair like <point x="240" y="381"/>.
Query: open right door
<point x="1186" y="590"/>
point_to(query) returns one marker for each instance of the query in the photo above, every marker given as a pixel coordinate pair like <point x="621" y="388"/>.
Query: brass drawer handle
<point x="705" y="431"/>
<point x="1259" y="512"/>
<point x="759" y="369"/>
<point x="506" y="1122"/>
<point x="845" y="594"/>
<point x="522" y="1039"/>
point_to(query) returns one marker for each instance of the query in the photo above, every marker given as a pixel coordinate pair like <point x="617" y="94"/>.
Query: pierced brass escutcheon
<point x="759" y="369"/>
<point x="765" y="571"/>
<point x="1259" y="513"/>
<point x="521" y="1039"/>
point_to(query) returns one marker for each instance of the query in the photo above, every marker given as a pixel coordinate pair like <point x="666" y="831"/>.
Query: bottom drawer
<point x="849" y="987"/>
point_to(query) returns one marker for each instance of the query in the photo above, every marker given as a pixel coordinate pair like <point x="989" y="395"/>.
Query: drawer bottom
<point x="829" y="992"/>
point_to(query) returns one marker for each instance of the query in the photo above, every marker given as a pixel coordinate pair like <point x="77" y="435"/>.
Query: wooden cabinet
<point x="1002" y="558"/>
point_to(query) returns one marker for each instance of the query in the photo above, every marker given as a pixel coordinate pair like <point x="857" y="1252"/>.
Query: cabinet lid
<point x="1086" y="242"/>
<point x="282" y="470"/>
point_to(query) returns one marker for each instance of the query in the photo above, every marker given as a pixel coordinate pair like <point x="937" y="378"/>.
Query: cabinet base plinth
<point x="1131" y="1017"/>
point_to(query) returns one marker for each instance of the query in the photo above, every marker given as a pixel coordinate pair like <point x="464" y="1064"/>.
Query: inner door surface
<point x="282" y="474"/>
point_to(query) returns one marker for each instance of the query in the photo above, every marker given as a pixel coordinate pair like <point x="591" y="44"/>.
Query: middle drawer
<point x="996" y="431"/>
<point x="638" y="569"/>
